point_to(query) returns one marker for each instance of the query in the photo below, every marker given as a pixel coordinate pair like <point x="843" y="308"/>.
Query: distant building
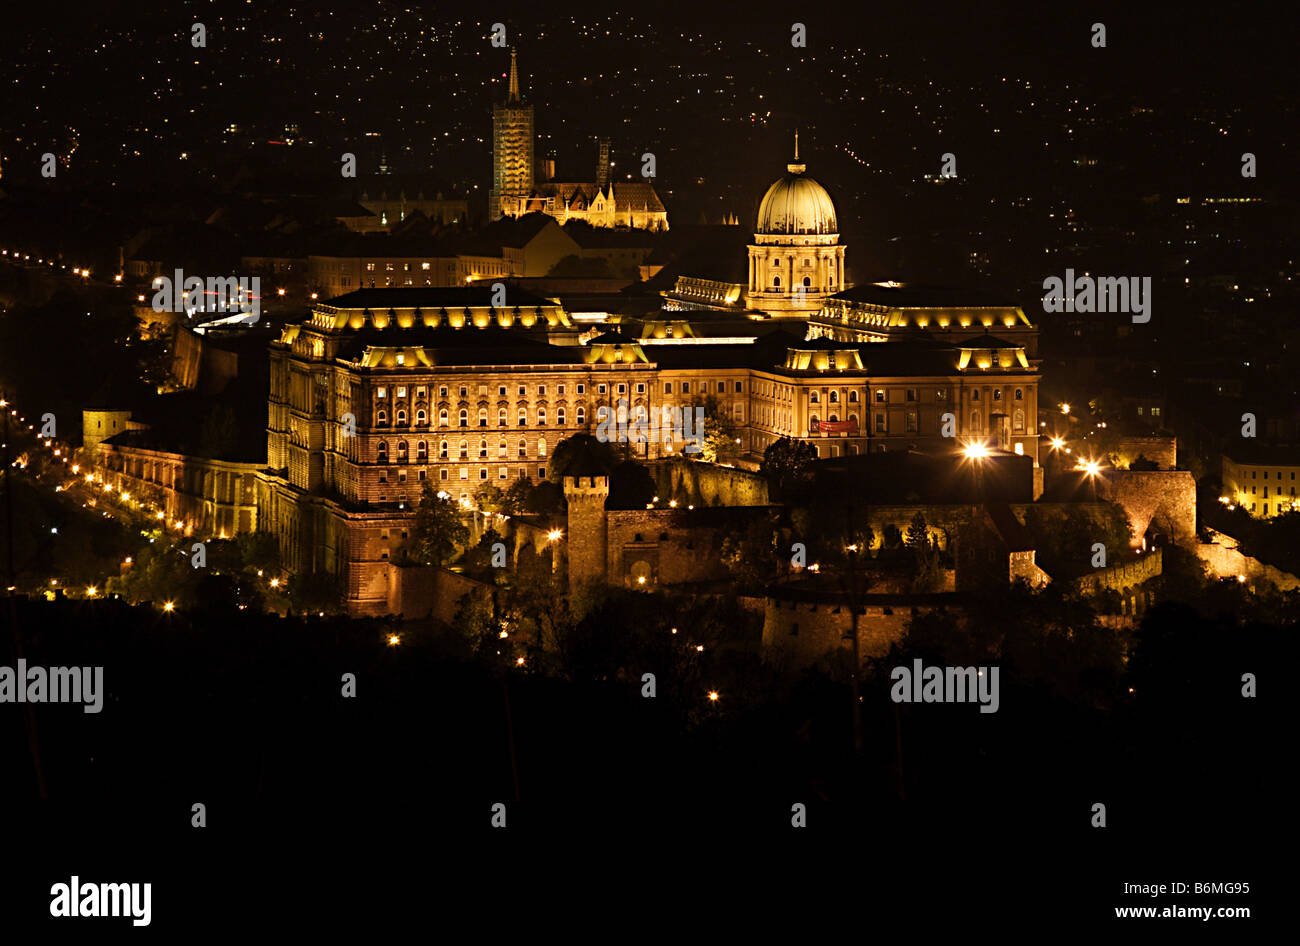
<point x="1261" y="479"/>
<point x="516" y="190"/>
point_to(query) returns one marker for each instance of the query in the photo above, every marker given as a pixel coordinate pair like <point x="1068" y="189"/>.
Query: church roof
<point x="636" y="196"/>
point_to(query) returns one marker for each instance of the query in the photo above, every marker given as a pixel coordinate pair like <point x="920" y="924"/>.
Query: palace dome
<point x="795" y="204"/>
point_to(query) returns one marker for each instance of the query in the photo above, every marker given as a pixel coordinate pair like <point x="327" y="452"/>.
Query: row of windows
<point x="1277" y="491"/>
<point x="685" y="387"/>
<point x="1265" y="476"/>
<point x="421" y="392"/>
<point x="1281" y="508"/>
<point x="503" y="474"/>
<point x="776" y="261"/>
<point x="911" y="421"/>
<point x="421" y="418"/>
<point x="909" y="394"/>
<point x="388" y="267"/>
<point x="400" y="391"/>
<point x="422" y="450"/>
<point x="997" y="394"/>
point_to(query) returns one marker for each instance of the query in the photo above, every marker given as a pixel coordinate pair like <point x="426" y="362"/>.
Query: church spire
<point x="796" y="146"/>
<point x="514" y="80"/>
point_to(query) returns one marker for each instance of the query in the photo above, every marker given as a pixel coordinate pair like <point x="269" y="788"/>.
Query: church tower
<point x="796" y="260"/>
<point x="512" y="151"/>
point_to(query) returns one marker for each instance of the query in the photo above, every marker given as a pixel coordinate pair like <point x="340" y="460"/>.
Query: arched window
<point x="814" y="397"/>
<point x="833" y="418"/>
<point x="853" y="397"/>
<point x="541" y="417"/>
<point x="812" y="421"/>
<point x="582" y="415"/>
<point x="835" y="397"/>
<point x="776" y="281"/>
<point x="422" y="451"/>
<point x="482" y="416"/>
<point x="1020" y="394"/>
<point x="482" y="449"/>
<point x="442" y="450"/>
<point x="541" y="446"/>
<point x="401" y="418"/>
<point x="807" y="281"/>
<point x="421" y="418"/>
<point x="381" y="419"/>
<point x="559" y="416"/>
<point x="401" y="451"/>
<point x="501" y="417"/>
<point x="442" y="417"/>
<point x="381" y="452"/>
<point x="1019" y="419"/>
<point x="464" y="417"/>
<point x="523" y="417"/>
<point x="975" y="395"/>
<point x="523" y="448"/>
<point x="997" y="394"/>
<point x="501" y="448"/>
<point x="464" y="450"/>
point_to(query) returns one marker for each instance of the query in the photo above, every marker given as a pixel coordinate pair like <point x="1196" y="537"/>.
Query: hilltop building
<point x="516" y="189"/>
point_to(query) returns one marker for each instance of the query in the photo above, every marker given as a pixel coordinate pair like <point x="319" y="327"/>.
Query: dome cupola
<point x="796" y="205"/>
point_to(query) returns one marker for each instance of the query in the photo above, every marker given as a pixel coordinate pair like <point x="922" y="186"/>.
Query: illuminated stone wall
<point x="1165" y="497"/>
<point x="812" y="633"/>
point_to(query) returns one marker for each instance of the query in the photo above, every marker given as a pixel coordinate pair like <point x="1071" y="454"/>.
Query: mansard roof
<point x="447" y="347"/>
<point x="455" y="297"/>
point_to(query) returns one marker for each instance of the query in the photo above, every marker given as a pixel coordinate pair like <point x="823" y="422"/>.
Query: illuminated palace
<point x="516" y="189"/>
<point x="382" y="390"/>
